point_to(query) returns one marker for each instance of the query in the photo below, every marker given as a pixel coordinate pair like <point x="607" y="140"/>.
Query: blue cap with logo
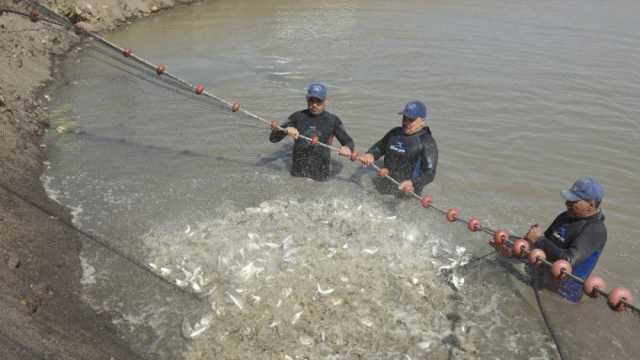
<point x="414" y="110"/>
<point x="585" y="188"/>
<point x="317" y="91"/>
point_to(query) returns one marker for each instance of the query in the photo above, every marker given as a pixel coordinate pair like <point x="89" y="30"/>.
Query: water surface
<point x="523" y="98"/>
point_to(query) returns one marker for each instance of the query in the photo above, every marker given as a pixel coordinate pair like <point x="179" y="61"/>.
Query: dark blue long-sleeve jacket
<point x="408" y="157"/>
<point x="579" y="241"/>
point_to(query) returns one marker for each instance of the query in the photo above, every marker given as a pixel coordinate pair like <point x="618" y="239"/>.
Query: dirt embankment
<point x="41" y="313"/>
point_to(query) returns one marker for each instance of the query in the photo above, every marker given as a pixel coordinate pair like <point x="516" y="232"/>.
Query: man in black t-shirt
<point x="310" y="160"/>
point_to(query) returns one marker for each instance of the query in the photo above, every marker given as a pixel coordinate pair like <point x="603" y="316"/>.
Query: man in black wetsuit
<point x="577" y="235"/>
<point x="309" y="160"/>
<point x="410" y="152"/>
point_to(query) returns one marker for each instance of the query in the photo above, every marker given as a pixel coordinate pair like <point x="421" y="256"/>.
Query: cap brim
<point x="568" y="195"/>
<point x="408" y="116"/>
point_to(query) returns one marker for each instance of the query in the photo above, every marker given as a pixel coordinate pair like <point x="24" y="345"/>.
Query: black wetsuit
<point x="313" y="161"/>
<point x="408" y="157"/>
<point x="580" y="242"/>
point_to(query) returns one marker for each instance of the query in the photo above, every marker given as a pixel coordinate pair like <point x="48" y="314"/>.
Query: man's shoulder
<point x="597" y="221"/>
<point x="299" y="117"/>
<point x="299" y="113"/>
<point x="562" y="217"/>
<point x="331" y="116"/>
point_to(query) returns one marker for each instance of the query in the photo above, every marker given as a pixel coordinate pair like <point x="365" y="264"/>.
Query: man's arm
<point x="342" y="136"/>
<point x="424" y="170"/>
<point x="277" y="135"/>
<point x="378" y="149"/>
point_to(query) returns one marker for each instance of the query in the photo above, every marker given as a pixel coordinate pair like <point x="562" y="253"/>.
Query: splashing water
<point x="334" y="280"/>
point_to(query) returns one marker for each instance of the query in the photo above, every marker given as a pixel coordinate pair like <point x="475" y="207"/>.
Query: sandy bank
<point x="41" y="313"/>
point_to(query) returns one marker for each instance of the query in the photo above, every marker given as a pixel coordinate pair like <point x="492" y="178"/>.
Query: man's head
<point x="584" y="197"/>
<point x="316" y="98"/>
<point x="414" y="110"/>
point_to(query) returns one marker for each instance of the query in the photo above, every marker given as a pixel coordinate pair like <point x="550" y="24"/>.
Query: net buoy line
<point x="34" y="16"/>
<point x="619" y="299"/>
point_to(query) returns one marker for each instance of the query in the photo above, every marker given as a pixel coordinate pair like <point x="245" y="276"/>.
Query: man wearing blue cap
<point x="410" y="152"/>
<point x="578" y="235"/>
<point x="311" y="160"/>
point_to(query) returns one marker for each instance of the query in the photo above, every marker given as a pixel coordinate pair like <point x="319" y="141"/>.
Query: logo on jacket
<point x="398" y="147"/>
<point x="312" y="130"/>
<point x="560" y="234"/>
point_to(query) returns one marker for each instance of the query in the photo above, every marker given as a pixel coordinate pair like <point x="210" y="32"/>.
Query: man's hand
<point x="535" y="232"/>
<point x="367" y="159"/>
<point x="406" y="186"/>
<point x="344" y="151"/>
<point x="292" y="132"/>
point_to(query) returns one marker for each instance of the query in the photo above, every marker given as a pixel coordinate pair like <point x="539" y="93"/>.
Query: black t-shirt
<point x="408" y="157"/>
<point x="311" y="160"/>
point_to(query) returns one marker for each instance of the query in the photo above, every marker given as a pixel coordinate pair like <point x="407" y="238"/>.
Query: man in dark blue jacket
<point x="410" y="152"/>
<point x="310" y="160"/>
<point x="577" y="235"/>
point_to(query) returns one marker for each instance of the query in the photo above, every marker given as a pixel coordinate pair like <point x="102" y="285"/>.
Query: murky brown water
<point x="524" y="98"/>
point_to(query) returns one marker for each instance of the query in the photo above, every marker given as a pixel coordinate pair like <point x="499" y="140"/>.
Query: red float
<point x="384" y="172"/>
<point x="426" y="201"/>
<point x="160" y="69"/>
<point x="34" y="16"/>
<point x="536" y="256"/>
<point x="235" y="106"/>
<point x="500" y="237"/>
<point x="560" y="268"/>
<point x="592" y="284"/>
<point x="452" y="215"/>
<point x="199" y="89"/>
<point x="617" y="295"/>
<point x="274" y="125"/>
<point x="127" y="52"/>
<point x="315" y="140"/>
<point x="520" y="247"/>
<point x="474" y="224"/>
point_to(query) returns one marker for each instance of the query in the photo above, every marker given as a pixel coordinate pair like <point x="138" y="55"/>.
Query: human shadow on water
<point x="383" y="189"/>
<point x="280" y="160"/>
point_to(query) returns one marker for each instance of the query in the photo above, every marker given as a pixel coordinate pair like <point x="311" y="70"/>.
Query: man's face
<point x="315" y="105"/>
<point x="409" y="125"/>
<point x="581" y="208"/>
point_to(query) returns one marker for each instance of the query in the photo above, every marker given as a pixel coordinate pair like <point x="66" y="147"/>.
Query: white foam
<point x="52" y="193"/>
<point x="75" y="215"/>
<point x="88" y="272"/>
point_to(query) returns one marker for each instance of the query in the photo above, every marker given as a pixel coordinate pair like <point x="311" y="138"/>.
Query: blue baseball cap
<point x="414" y="110"/>
<point x="585" y="188"/>
<point x="317" y="91"/>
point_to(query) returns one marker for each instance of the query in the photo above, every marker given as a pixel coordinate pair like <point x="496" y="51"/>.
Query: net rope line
<point x="198" y="296"/>
<point x="235" y="107"/>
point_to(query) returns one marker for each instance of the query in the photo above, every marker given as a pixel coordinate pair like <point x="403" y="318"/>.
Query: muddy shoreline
<point x="43" y="315"/>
